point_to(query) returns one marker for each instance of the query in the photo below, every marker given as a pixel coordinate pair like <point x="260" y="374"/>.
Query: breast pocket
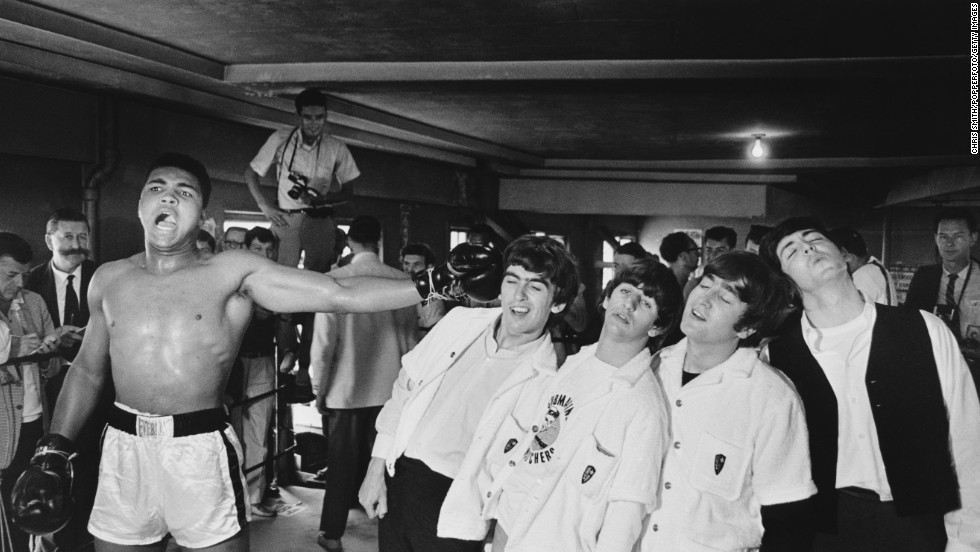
<point x="506" y="443"/>
<point x="719" y="466"/>
<point x="591" y="470"/>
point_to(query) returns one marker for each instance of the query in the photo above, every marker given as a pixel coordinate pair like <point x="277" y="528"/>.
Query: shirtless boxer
<point x="169" y="324"/>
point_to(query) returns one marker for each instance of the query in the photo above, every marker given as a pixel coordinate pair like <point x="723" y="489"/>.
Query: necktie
<point x="954" y="320"/>
<point x="71" y="303"/>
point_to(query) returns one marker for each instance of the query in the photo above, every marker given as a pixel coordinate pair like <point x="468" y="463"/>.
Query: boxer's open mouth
<point x="165" y="220"/>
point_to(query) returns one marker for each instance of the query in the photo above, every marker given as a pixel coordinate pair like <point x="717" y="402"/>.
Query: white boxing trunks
<point x="169" y="474"/>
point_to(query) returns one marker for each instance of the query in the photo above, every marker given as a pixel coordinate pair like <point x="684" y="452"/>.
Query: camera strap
<point x="292" y="157"/>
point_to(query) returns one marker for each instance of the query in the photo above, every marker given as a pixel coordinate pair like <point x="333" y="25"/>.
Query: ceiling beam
<point x="653" y="176"/>
<point x="37" y="30"/>
<point x="936" y="183"/>
<point x="24" y="60"/>
<point x="70" y="26"/>
<point x="768" y="164"/>
<point x="651" y="69"/>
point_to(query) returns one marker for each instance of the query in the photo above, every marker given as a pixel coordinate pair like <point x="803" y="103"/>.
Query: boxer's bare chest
<point x="173" y="337"/>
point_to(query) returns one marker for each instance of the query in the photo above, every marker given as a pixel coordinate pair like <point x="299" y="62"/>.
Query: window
<point x="608" y="269"/>
<point x="456" y="237"/>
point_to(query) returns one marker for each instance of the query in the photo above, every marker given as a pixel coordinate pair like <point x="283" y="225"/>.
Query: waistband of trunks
<point x="183" y="425"/>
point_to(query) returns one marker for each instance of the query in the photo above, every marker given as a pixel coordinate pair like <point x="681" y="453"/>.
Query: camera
<point x="301" y="187"/>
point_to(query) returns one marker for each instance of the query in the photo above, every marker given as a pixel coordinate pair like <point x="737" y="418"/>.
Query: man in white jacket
<point x="574" y="464"/>
<point x="473" y="359"/>
<point x="737" y="475"/>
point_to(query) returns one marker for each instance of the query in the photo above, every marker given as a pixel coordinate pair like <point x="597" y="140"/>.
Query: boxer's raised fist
<point x="473" y="270"/>
<point x="41" y="501"/>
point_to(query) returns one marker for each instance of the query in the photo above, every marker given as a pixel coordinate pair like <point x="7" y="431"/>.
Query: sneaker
<point x="328" y="544"/>
<point x="261" y="510"/>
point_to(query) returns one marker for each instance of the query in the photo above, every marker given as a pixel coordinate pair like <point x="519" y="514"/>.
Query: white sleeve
<point x="637" y="477"/>
<point x="963" y="408"/>
<point x="871" y="283"/>
<point x="4" y="342"/>
<point x="267" y="154"/>
<point x="322" y="350"/>
<point x="781" y="459"/>
<point x="346" y="168"/>
<point x="621" y="527"/>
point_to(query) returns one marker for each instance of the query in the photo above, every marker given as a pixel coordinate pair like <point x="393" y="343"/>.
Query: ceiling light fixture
<point x="757" y="150"/>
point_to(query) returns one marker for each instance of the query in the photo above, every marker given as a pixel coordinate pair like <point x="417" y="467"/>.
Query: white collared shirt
<point x="596" y="435"/>
<point x="739" y="442"/>
<point x="446" y="429"/>
<point x="61" y="288"/>
<point x="844" y="360"/>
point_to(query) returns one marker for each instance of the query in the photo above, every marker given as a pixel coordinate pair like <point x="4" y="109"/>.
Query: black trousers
<point x="415" y="496"/>
<point x="350" y="437"/>
<point x="865" y="524"/>
<point x="30" y="433"/>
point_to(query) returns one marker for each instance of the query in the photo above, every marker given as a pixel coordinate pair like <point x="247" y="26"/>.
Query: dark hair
<point x="955" y="213"/>
<point x="365" y="230"/>
<point x="421" y="250"/>
<point x="206" y="237"/>
<point x="721" y="233"/>
<point x="767" y="295"/>
<point x="484" y="230"/>
<point x="311" y="97"/>
<point x="187" y="164"/>
<point x="673" y="245"/>
<point x="633" y="249"/>
<point x="850" y="240"/>
<point x="545" y="256"/>
<point x="767" y="248"/>
<point x="339" y="241"/>
<point x="15" y="247"/>
<point x="264" y="235"/>
<point x="757" y="232"/>
<point x="658" y="283"/>
<point x="64" y="215"/>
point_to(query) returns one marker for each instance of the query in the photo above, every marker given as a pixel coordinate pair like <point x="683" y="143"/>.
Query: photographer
<point x="313" y="172"/>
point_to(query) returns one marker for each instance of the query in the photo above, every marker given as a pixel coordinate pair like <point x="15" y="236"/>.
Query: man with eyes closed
<point x="737" y="474"/>
<point x="474" y="359"/>
<point x="574" y="463"/>
<point x="169" y="323"/>
<point x="891" y="410"/>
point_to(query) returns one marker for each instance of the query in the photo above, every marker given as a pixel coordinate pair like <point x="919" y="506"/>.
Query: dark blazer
<point x="924" y="288"/>
<point x="41" y="281"/>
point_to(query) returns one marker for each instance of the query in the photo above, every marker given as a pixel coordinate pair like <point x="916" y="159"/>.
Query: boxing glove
<point x="473" y="270"/>
<point x="41" y="501"/>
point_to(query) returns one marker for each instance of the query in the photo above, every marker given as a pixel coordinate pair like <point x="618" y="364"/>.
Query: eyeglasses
<point x="697" y="249"/>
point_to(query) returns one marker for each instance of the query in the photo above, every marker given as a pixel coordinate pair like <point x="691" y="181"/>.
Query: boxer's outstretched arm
<point x="284" y="289"/>
<point x="84" y="382"/>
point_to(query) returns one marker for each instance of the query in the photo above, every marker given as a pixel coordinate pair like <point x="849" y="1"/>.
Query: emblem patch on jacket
<point x="587" y="474"/>
<point x="719" y="463"/>
<point x="510" y="444"/>
<point x="542" y="447"/>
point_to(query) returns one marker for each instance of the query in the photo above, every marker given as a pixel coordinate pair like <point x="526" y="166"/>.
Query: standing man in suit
<point x="951" y="289"/>
<point x="63" y="284"/>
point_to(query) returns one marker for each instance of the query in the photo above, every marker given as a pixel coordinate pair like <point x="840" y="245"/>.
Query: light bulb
<point x="757" y="150"/>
